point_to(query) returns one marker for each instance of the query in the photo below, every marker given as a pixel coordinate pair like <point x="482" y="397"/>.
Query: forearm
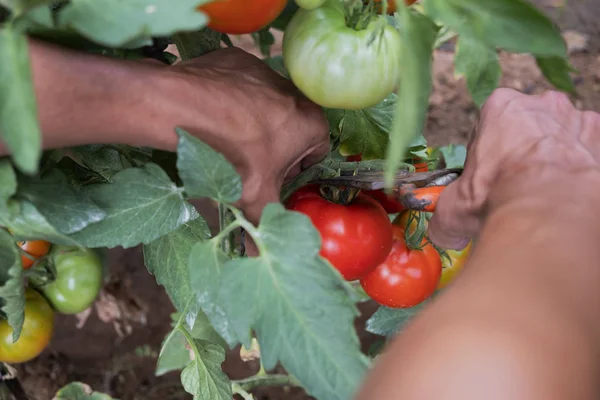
<point x="521" y="322"/>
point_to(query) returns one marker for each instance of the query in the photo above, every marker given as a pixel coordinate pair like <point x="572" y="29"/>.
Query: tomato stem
<point x="339" y="195"/>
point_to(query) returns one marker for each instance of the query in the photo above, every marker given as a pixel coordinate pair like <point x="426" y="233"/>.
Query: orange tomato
<point x="239" y="17"/>
<point x="35" y="248"/>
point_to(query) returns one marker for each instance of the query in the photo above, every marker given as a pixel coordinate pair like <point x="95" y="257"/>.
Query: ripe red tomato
<point x="239" y="17"/>
<point x="35" y="248"/>
<point x="407" y="277"/>
<point x="38" y="326"/>
<point x="355" y="238"/>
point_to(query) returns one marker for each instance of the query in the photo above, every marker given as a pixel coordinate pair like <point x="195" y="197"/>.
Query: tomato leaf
<point x="141" y="205"/>
<point x="264" y="39"/>
<point x="203" y="377"/>
<point x="206" y="173"/>
<point x="8" y="183"/>
<point x="364" y="131"/>
<point x="79" y="391"/>
<point x="20" y="7"/>
<point x="174" y="355"/>
<point x="276" y="64"/>
<point x="418" y="37"/>
<point x="106" y="161"/>
<point x="19" y="128"/>
<point x="205" y="266"/>
<point x="167" y="259"/>
<point x="454" y="155"/>
<point x="389" y="322"/>
<point x="114" y="23"/>
<point x="481" y="67"/>
<point x="558" y="72"/>
<point x="63" y="205"/>
<point x="512" y="25"/>
<point x="195" y="44"/>
<point x="12" y="293"/>
<point x="297" y="305"/>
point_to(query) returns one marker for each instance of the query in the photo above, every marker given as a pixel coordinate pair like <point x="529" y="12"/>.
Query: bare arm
<point x="522" y="321"/>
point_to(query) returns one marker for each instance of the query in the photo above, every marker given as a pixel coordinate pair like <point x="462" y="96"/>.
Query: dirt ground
<point x="118" y="357"/>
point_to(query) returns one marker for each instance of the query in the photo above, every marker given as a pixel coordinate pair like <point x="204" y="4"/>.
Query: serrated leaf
<point x="12" y="293"/>
<point x="558" y="72"/>
<point x="205" y="266"/>
<point x="418" y="37"/>
<point x="454" y="155"/>
<point x="141" y="205"/>
<point x="206" y="173"/>
<point x="104" y="160"/>
<point x="481" y="67"/>
<point x="366" y="131"/>
<point x="115" y="23"/>
<point x="19" y="128"/>
<point x="27" y="223"/>
<point x="64" y="206"/>
<point x="297" y="305"/>
<point x="174" y="355"/>
<point x="8" y="183"/>
<point x="80" y="391"/>
<point x="513" y="25"/>
<point x="195" y="44"/>
<point x="167" y="259"/>
<point x="203" y="377"/>
<point x="389" y="322"/>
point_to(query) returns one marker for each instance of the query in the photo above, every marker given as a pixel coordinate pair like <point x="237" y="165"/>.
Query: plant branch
<point x="266" y="380"/>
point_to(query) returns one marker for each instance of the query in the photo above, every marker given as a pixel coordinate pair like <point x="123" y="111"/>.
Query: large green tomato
<point x="78" y="279"/>
<point x="337" y="66"/>
<point x="309" y="4"/>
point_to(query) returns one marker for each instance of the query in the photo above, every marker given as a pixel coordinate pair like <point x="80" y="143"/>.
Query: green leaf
<point x="481" y="67"/>
<point x="12" y="293"/>
<point x="276" y="63"/>
<point x="203" y="329"/>
<point x="8" y="183"/>
<point x="141" y="205"/>
<point x="167" y="259"/>
<point x="114" y="23"/>
<point x="298" y="306"/>
<point x="286" y="15"/>
<point x="366" y="131"/>
<point x="106" y="161"/>
<point x="195" y="44"/>
<point x="64" y="206"/>
<point x="205" y="266"/>
<point x="558" y="72"/>
<point x="388" y="322"/>
<point x="418" y="37"/>
<point x="27" y="223"/>
<point x="19" y="128"/>
<point x="513" y="25"/>
<point x="264" y="39"/>
<point x="454" y="155"/>
<point x="203" y="377"/>
<point x="174" y="355"/>
<point x="206" y="173"/>
<point x="20" y="7"/>
<point x="80" y="391"/>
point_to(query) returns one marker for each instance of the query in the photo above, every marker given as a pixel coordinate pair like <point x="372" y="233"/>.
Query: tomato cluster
<point x="73" y="287"/>
<point x="361" y="242"/>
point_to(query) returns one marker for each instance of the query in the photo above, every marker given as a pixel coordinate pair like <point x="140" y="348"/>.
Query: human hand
<point x="259" y="120"/>
<point x="524" y="142"/>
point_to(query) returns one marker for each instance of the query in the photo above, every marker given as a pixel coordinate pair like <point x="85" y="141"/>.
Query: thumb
<point x="454" y="221"/>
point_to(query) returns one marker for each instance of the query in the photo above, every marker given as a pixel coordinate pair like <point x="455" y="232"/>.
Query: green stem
<point x="228" y="243"/>
<point x="266" y="380"/>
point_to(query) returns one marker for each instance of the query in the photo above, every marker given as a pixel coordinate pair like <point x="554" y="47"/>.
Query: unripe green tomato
<point x="38" y="326"/>
<point x="337" y="66"/>
<point x="310" y="4"/>
<point x="78" y="279"/>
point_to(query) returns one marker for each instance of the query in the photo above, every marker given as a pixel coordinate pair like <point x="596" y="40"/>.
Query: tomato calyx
<point x="338" y="195"/>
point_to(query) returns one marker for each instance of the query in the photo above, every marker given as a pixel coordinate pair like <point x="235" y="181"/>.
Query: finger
<point x="317" y="155"/>
<point x="455" y="220"/>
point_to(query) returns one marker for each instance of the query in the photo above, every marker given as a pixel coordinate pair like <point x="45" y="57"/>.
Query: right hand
<point x="527" y="142"/>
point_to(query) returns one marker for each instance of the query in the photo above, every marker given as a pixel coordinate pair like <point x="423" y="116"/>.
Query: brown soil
<point x="118" y="357"/>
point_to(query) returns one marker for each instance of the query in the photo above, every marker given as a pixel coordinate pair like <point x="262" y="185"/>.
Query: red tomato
<point x="407" y="277"/>
<point x="387" y="201"/>
<point x="355" y="238"/>
<point x="35" y="248"/>
<point x="238" y="17"/>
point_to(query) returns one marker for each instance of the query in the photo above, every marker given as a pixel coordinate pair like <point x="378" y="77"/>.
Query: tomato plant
<point x="317" y="46"/>
<point x="242" y="16"/>
<point x="78" y="279"/>
<point x="36" y="333"/>
<point x="355" y="237"/>
<point x="452" y="264"/>
<point x="407" y="277"/>
<point x="35" y="249"/>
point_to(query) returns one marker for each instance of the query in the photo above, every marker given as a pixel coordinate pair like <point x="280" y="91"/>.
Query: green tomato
<point x="337" y="66"/>
<point x="309" y="4"/>
<point x="78" y="279"/>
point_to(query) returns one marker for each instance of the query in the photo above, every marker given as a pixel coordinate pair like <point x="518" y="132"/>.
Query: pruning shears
<point x="419" y="191"/>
